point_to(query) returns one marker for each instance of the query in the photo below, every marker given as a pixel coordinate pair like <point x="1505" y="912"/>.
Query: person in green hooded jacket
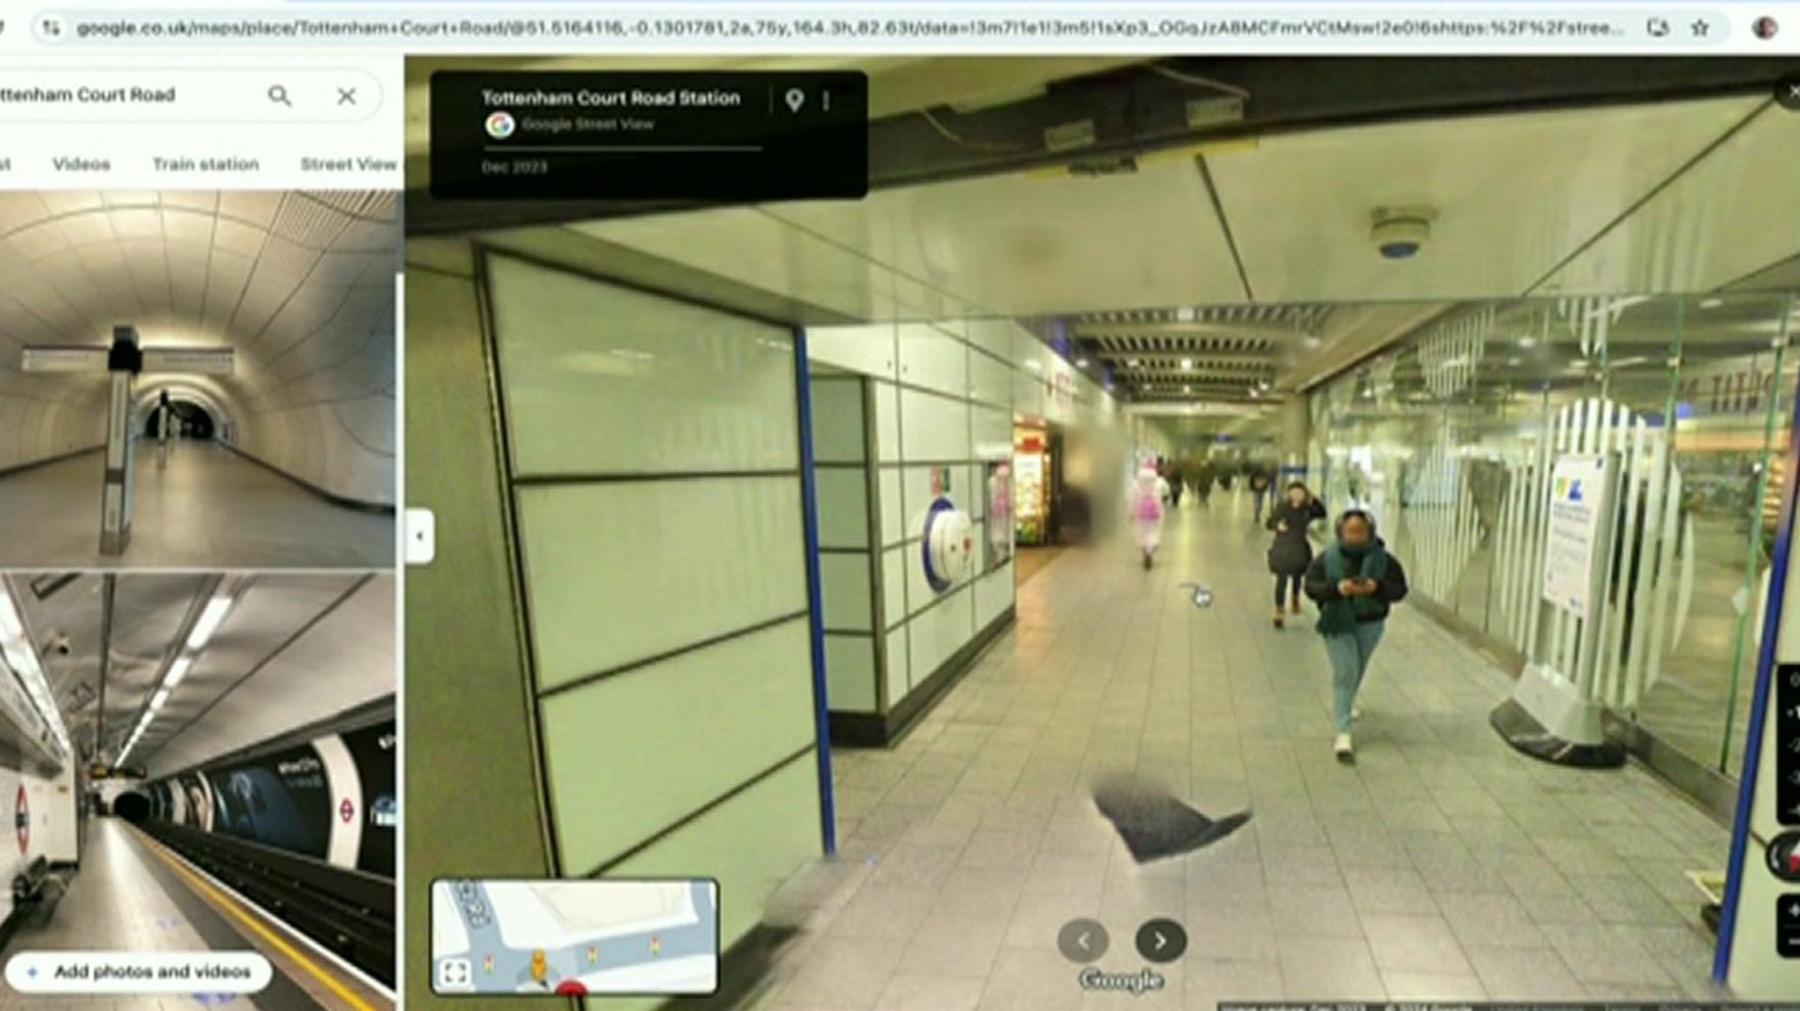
<point x="1354" y="582"/>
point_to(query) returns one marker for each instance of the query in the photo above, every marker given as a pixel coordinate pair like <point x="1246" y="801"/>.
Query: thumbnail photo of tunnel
<point x="198" y="379"/>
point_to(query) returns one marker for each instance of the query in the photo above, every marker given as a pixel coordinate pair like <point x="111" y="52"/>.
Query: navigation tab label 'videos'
<point x="702" y="136"/>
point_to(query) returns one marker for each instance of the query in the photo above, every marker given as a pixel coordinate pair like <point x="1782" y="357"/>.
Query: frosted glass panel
<point x="847" y="586"/>
<point x="609" y="750"/>
<point x="837" y="415"/>
<point x="620" y="571"/>
<point x="850" y="673"/>
<point x="751" y="844"/>
<point x="601" y="379"/>
<point x="843" y="506"/>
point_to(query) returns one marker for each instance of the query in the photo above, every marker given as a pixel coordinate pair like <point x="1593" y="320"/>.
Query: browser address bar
<point x="710" y="26"/>
<point x="271" y="97"/>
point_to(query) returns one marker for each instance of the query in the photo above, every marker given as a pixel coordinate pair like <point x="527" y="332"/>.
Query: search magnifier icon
<point x="278" y="94"/>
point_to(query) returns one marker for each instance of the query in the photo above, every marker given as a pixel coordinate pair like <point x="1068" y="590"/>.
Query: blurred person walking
<point x="1291" y="551"/>
<point x="1148" y="491"/>
<point x="1260" y="482"/>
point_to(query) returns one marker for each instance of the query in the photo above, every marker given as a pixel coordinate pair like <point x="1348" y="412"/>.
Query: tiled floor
<point x="204" y="508"/>
<point x="126" y="898"/>
<point x="1442" y="865"/>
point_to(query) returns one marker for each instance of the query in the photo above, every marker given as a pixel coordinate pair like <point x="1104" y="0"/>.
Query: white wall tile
<point x="936" y="635"/>
<point x="847" y="588"/>
<point x="993" y="595"/>
<point x="620" y="571"/>
<point x="584" y="361"/>
<point x="930" y="358"/>
<point x="933" y="427"/>
<point x="1027" y="394"/>
<point x="893" y="506"/>
<point x="995" y="336"/>
<point x="622" y="724"/>
<point x="993" y="433"/>
<point x="867" y="349"/>
<point x="898" y="673"/>
<point x="887" y="423"/>
<point x="894" y="563"/>
<point x="850" y="673"/>
<point x="990" y="379"/>
<point x="750" y="843"/>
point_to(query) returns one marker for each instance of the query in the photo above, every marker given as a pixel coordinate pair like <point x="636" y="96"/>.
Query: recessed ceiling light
<point x="1185" y="314"/>
<point x="1711" y="303"/>
<point x="1527" y="341"/>
<point x="209" y="622"/>
<point x="1187" y="364"/>
<point x="1131" y="363"/>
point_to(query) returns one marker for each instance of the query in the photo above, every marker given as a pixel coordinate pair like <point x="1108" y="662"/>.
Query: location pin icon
<point x="795" y="99"/>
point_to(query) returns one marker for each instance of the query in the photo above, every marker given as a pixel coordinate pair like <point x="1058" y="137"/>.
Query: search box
<point x="150" y="95"/>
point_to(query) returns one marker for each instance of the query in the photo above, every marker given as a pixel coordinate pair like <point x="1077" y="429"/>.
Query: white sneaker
<point x="1343" y="749"/>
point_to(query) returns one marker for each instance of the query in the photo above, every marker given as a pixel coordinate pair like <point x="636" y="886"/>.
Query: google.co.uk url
<point x="409" y="31"/>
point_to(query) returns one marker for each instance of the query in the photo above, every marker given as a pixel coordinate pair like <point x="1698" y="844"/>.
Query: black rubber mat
<point x="1155" y="824"/>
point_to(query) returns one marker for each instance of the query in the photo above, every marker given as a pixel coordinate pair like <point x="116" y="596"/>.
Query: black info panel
<point x="651" y="135"/>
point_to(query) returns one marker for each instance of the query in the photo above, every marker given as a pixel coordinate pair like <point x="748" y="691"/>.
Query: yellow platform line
<point x="247" y="919"/>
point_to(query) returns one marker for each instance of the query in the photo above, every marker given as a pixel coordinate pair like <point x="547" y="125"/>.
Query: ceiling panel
<point x="751" y="247"/>
<point x="1515" y="195"/>
<point x="1044" y="243"/>
<point x="1732" y="215"/>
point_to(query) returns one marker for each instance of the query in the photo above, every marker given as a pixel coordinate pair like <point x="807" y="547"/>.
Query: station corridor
<point x="206" y="508"/>
<point x="135" y="895"/>
<point x="1442" y="864"/>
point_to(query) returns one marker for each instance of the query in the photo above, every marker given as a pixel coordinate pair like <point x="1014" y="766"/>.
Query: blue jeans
<point x="1350" y="652"/>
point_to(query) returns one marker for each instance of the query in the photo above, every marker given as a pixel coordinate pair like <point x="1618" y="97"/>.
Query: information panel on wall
<point x="1576" y="551"/>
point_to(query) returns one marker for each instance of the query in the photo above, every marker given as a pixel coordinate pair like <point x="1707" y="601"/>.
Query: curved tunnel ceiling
<point x="300" y="284"/>
<point x="291" y="651"/>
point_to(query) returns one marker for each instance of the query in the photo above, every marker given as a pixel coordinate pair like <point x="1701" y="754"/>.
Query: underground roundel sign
<point x="949" y="544"/>
<point x="22" y="819"/>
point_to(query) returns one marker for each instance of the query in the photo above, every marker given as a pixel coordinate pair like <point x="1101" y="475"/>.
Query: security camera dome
<point x="1398" y="233"/>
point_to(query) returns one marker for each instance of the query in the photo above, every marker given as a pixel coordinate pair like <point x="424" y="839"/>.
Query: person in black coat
<point x="1290" y="552"/>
